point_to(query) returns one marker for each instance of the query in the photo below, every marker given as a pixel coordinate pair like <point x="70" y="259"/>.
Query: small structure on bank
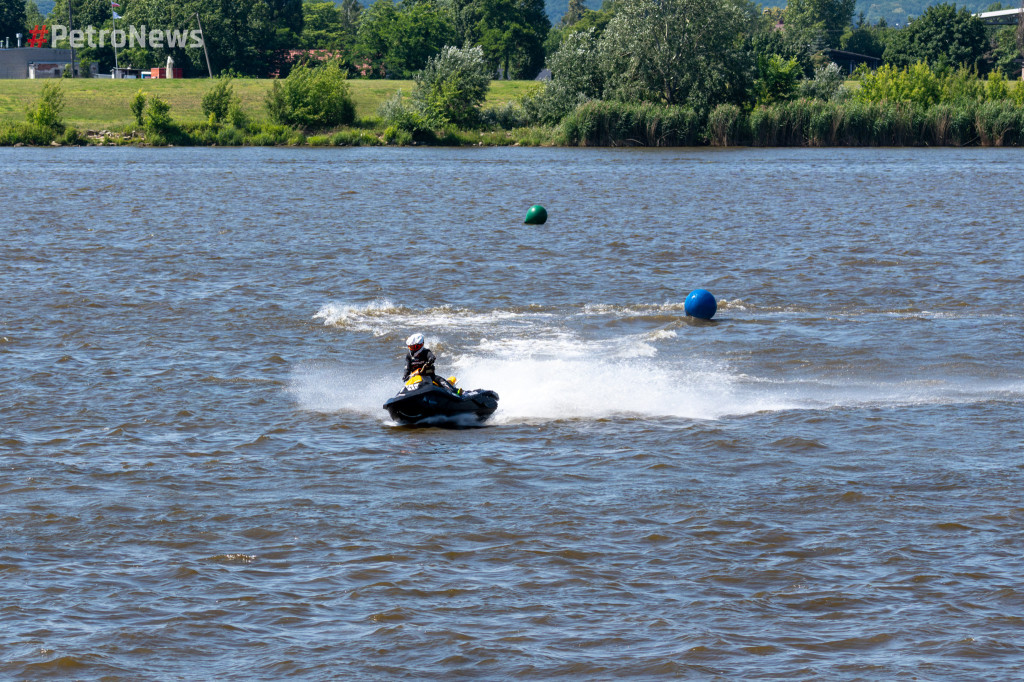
<point x="41" y="62"/>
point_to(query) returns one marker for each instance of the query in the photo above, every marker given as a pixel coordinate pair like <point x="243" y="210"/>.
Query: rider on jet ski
<point x="420" y="360"/>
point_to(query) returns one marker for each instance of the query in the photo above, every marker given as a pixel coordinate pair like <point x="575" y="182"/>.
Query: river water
<point x="823" y="482"/>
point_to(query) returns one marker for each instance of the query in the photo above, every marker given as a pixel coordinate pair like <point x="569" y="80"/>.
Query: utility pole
<point x="205" y="53"/>
<point x="71" y="42"/>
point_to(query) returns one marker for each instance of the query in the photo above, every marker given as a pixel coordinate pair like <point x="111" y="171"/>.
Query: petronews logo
<point x="133" y="36"/>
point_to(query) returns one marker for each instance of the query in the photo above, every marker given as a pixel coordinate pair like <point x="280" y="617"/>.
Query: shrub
<point x="395" y="135"/>
<point x="452" y="86"/>
<point x="917" y="84"/>
<point x="765" y="126"/>
<point x="314" y="98"/>
<point x="725" y="125"/>
<point x="507" y="116"/>
<point x="230" y="137"/>
<point x="996" y="87"/>
<point x="217" y="101"/>
<point x="73" y="136"/>
<point x="160" y="128"/>
<point x="138" y="107"/>
<point x="49" y="109"/>
<point x="396" y="113"/>
<point x="618" y="124"/>
<point x="826" y="84"/>
<point x="551" y="104"/>
<point x="238" y="117"/>
<point x="25" y="133"/>
<point x="998" y="123"/>
<point x="354" y="138"/>
<point x="960" y="87"/>
<point x="577" y="75"/>
<point x="158" y="115"/>
<point x="776" y="79"/>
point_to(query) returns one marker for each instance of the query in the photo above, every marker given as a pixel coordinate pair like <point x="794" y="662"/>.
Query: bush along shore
<point x="914" y="106"/>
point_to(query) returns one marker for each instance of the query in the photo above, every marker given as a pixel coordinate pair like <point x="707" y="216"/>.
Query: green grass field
<point x="97" y="103"/>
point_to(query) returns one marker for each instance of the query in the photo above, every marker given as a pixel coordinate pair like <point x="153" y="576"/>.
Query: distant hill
<point x="899" y="11"/>
<point x="893" y="11"/>
<point x="557" y="8"/>
<point x="45" y="6"/>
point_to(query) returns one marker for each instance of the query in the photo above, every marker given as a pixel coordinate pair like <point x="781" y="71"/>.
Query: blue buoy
<point x="700" y="303"/>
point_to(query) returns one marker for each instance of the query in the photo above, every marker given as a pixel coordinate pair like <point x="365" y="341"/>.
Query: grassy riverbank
<point x="96" y="103"/>
<point x="98" y="112"/>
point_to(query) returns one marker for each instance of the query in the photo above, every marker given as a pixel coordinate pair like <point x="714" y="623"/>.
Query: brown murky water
<point x="198" y="479"/>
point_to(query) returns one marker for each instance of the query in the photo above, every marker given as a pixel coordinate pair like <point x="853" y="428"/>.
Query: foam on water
<point x="573" y="387"/>
<point x="545" y="368"/>
<point x="382" y="317"/>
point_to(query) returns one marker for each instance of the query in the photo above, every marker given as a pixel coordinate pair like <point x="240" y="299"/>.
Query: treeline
<point x="386" y="39"/>
<point x="258" y="38"/>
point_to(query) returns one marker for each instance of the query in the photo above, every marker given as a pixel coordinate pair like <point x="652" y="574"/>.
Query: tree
<point x="869" y="40"/>
<point x="240" y="34"/>
<point x="12" y="18"/>
<point x="33" y="18"/>
<point x="326" y="26"/>
<point x="402" y="37"/>
<point x="776" y="79"/>
<point x="942" y="36"/>
<point x="86" y="13"/>
<point x="1006" y="52"/>
<point x="678" y="51"/>
<point x="287" y="15"/>
<point x="577" y="75"/>
<point x="766" y="40"/>
<point x="574" y="12"/>
<point x="826" y="19"/>
<point x="512" y="33"/>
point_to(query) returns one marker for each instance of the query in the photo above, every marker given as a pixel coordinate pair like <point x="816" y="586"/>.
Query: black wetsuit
<point x="422" y="360"/>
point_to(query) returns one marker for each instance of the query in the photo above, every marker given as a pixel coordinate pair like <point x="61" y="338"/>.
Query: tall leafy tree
<point x="826" y="20"/>
<point x="869" y="40"/>
<point x="240" y="35"/>
<point x="678" y="51"/>
<point x="1006" y="52"/>
<point x="33" y="18"/>
<point x="942" y="36"/>
<point x="574" y="12"/>
<point x="588" y="19"/>
<point x="512" y="34"/>
<point x="402" y="37"/>
<point x="286" y="15"/>
<point x="12" y="18"/>
<point x="86" y="13"/>
<point x="326" y="26"/>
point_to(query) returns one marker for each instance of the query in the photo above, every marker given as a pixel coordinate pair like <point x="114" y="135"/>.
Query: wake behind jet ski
<point x="426" y="398"/>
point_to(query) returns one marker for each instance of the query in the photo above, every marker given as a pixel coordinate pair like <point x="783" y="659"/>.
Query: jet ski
<point x="426" y="401"/>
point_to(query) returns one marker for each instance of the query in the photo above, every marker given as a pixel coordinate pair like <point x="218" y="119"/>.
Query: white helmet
<point x="414" y="340"/>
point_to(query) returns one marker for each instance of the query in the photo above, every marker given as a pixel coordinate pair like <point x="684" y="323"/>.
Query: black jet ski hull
<point x="428" y="404"/>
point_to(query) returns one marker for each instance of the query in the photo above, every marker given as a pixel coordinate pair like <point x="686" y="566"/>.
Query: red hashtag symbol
<point x="39" y="36"/>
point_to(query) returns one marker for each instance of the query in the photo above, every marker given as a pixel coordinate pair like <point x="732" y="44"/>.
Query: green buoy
<point x="536" y="215"/>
